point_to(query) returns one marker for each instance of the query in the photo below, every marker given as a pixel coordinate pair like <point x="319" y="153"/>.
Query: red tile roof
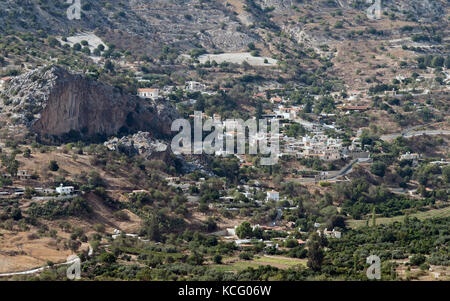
<point x="354" y="108"/>
<point x="276" y="99"/>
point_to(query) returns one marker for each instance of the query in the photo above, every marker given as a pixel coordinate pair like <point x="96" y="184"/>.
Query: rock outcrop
<point x="141" y="143"/>
<point x="53" y="102"/>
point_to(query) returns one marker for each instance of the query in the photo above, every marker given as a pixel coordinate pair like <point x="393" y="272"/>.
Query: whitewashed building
<point x="331" y="234"/>
<point x="409" y="156"/>
<point x="65" y="189"/>
<point x="194" y="86"/>
<point x="148" y="93"/>
<point x="323" y="147"/>
<point x="273" y="195"/>
<point x="3" y="81"/>
<point x="289" y="113"/>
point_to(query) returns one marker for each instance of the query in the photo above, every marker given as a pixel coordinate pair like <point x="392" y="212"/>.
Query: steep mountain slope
<point x="226" y="25"/>
<point x="138" y="24"/>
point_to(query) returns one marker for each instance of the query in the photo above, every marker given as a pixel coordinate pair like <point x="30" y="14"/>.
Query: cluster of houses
<point x="330" y="234"/>
<point x="184" y="185"/>
<point x="248" y="190"/>
<point x="24" y="175"/>
<point x="413" y="157"/>
<point x="21" y="175"/>
<point x="315" y="145"/>
<point x="288" y="112"/>
<point x="61" y="190"/>
<point x="322" y="146"/>
<point x="318" y="146"/>
<point x="190" y="86"/>
<point x="229" y="234"/>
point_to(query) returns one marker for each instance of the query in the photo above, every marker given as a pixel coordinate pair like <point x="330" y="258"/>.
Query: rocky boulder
<point x="141" y="143"/>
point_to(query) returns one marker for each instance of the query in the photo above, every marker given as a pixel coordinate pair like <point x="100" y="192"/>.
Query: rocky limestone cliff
<point x="53" y="102"/>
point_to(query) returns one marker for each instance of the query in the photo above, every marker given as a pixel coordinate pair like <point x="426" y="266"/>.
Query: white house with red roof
<point x="148" y="93"/>
<point x="273" y="195"/>
<point x="3" y="81"/>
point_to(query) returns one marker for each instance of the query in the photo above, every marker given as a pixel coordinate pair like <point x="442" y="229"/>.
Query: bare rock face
<point x="55" y="103"/>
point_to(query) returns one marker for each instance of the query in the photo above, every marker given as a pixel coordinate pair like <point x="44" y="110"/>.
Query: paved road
<point x="344" y="171"/>
<point x="341" y="173"/>
<point x="403" y="191"/>
<point x="56" y="198"/>
<point x="278" y="217"/>
<point x="411" y="132"/>
<point x="37" y="270"/>
<point x="114" y="236"/>
<point x="349" y="168"/>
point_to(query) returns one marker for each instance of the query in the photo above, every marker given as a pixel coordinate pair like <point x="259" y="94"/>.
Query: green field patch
<point x="276" y="261"/>
<point x="434" y="213"/>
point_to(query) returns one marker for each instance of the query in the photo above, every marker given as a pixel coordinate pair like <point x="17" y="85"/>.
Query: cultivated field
<point x="234" y="264"/>
<point x="442" y="212"/>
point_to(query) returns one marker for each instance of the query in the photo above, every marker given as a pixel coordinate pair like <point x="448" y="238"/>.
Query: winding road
<point x="37" y="270"/>
<point x="411" y="132"/>
<point x="336" y="175"/>
<point x="68" y="262"/>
